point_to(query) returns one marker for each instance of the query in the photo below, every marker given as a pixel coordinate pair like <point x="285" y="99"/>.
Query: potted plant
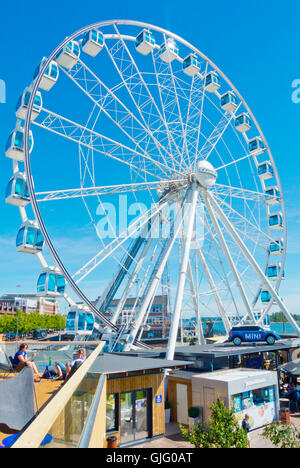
<point x="194" y="414"/>
<point x="167" y="412"/>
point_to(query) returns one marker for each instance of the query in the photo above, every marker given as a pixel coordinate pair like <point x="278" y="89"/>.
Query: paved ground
<point x="173" y="438"/>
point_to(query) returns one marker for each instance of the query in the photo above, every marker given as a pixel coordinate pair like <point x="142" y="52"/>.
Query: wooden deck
<point x="45" y="390"/>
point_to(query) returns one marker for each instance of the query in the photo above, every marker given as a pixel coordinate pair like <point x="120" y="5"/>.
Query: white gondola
<point x="265" y="296"/>
<point x="29" y="238"/>
<point x="276" y="247"/>
<point x="272" y="195"/>
<point x="50" y="76"/>
<point x="274" y="271"/>
<point x="14" y="148"/>
<point x="145" y="42"/>
<point x="69" y="55"/>
<point x="22" y="105"/>
<point x="168" y="51"/>
<point x="265" y="170"/>
<point x="92" y="42"/>
<point x="256" y="146"/>
<point x="229" y="102"/>
<point x="212" y="82"/>
<point x="191" y="65"/>
<point x="17" y="193"/>
<point x="51" y="283"/>
<point x="243" y="123"/>
<point x="80" y="321"/>
<point x="276" y="221"/>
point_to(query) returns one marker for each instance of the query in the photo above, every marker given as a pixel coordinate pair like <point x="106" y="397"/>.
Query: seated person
<point x="63" y="371"/>
<point x="21" y="360"/>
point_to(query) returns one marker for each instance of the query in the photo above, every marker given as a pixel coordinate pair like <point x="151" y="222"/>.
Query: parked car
<point x="40" y="333"/>
<point x="252" y="333"/>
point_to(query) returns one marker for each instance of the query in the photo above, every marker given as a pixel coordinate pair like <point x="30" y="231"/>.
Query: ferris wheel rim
<point x="27" y="129"/>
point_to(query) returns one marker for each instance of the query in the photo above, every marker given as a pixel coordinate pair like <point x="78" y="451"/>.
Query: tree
<point x="223" y="430"/>
<point x="282" y="435"/>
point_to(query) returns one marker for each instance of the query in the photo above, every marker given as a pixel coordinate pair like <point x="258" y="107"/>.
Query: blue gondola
<point x="29" y="238"/>
<point x="265" y="296"/>
<point x="272" y="195"/>
<point x="49" y="77"/>
<point x="256" y="145"/>
<point x="229" y="101"/>
<point x="80" y="321"/>
<point x="22" y="105"/>
<point x="191" y="65"/>
<point x="276" y="247"/>
<point x="145" y="42"/>
<point x="17" y="193"/>
<point x="265" y="170"/>
<point x="69" y="55"/>
<point x="212" y="82"/>
<point x="276" y="221"/>
<point x="274" y="271"/>
<point x="51" y="283"/>
<point x="168" y="51"/>
<point x="243" y="123"/>
<point x="92" y="42"/>
<point x="14" y="148"/>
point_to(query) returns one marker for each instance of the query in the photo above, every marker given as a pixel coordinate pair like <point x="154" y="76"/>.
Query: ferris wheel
<point x="129" y="114"/>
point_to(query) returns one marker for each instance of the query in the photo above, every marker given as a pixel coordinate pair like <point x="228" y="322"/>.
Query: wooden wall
<point x="156" y="383"/>
<point x="172" y="394"/>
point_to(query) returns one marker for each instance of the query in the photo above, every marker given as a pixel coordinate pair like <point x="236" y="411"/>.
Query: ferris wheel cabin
<point x="257" y="146"/>
<point x="272" y="195"/>
<point x="229" y="102"/>
<point x="265" y="297"/>
<point x="80" y="321"/>
<point x="69" y="55"/>
<point x="212" y="82"/>
<point x="17" y="193"/>
<point x="276" y="221"/>
<point x="274" y="272"/>
<point x="265" y="170"/>
<point x="22" y="105"/>
<point x="14" y="148"/>
<point x="92" y="42"/>
<point x="168" y="51"/>
<point x="243" y="123"/>
<point x="191" y="65"/>
<point x="51" y="283"/>
<point x="49" y="77"/>
<point x="276" y="247"/>
<point x="145" y="42"/>
<point x="29" y="238"/>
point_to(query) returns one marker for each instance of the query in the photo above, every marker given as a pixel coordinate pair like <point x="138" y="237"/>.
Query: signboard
<point x="158" y="399"/>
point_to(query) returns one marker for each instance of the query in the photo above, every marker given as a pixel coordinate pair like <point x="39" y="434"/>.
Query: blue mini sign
<point x="158" y="399"/>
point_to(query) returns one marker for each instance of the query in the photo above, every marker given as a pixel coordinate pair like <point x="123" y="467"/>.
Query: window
<point x="112" y="405"/>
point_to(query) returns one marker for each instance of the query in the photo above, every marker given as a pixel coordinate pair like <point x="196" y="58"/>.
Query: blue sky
<point x="255" y="44"/>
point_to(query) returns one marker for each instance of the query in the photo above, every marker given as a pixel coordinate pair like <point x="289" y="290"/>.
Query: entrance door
<point x="136" y="417"/>
<point x="182" y="404"/>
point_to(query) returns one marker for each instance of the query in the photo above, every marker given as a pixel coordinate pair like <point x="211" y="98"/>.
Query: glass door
<point x="141" y="414"/>
<point x="136" y="417"/>
<point x="126" y="417"/>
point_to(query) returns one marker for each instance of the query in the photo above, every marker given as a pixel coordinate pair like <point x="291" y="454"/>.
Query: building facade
<point x="11" y="303"/>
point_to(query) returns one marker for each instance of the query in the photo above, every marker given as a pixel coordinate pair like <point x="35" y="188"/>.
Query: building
<point x="11" y="303"/>
<point x="158" y="322"/>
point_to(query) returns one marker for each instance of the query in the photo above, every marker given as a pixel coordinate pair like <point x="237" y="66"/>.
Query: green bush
<point x="24" y="323"/>
<point x="167" y="405"/>
<point x="282" y="435"/>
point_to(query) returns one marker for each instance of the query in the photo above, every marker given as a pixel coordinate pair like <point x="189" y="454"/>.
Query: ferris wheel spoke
<point x="235" y="161"/>
<point x="98" y="142"/>
<point x="249" y="257"/>
<point x="121" y="118"/>
<point x="236" y="192"/>
<point x="99" y="191"/>
<point x="138" y="91"/>
<point x="118" y="242"/>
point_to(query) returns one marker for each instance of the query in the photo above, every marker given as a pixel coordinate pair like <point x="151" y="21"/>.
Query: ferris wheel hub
<point x="206" y="174"/>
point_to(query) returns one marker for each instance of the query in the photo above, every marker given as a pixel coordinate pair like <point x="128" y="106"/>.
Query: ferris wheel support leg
<point x="157" y="278"/>
<point x="200" y="334"/>
<point x="182" y="276"/>
<point x="226" y="251"/>
<point x="212" y="284"/>
<point x="265" y="281"/>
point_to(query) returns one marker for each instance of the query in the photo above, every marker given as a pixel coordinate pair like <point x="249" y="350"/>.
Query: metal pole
<point x="182" y="276"/>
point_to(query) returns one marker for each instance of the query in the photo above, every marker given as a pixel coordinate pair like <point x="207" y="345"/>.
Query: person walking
<point x="246" y="426"/>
